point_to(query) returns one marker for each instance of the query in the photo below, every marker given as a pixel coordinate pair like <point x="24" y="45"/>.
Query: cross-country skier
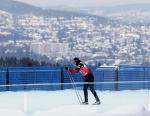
<point x="88" y="77"/>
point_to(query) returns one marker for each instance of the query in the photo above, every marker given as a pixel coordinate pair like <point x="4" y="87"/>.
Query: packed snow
<point x="65" y="103"/>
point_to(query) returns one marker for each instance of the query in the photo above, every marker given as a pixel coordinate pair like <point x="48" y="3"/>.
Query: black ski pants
<point x="89" y="78"/>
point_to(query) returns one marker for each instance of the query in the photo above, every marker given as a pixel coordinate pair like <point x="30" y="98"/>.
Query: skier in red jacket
<point x="88" y="77"/>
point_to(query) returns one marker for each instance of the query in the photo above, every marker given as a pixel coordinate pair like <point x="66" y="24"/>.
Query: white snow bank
<point x="76" y="110"/>
<point x="65" y="103"/>
<point x="82" y="110"/>
<point x="132" y="110"/>
<point x="5" y="112"/>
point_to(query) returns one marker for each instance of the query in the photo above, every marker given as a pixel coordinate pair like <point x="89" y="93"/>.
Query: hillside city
<point x="108" y="42"/>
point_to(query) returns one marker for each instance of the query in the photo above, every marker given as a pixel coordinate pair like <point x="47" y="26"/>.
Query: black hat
<point x="76" y="59"/>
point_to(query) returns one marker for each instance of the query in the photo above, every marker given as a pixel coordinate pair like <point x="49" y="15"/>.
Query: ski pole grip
<point x="66" y="68"/>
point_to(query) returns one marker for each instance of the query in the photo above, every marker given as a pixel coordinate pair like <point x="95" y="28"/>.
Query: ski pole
<point x="75" y="88"/>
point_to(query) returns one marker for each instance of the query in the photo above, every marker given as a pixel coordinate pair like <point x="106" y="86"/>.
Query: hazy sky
<point x="82" y="2"/>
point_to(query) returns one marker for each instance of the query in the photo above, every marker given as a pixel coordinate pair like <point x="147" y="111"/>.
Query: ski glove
<point x="66" y="68"/>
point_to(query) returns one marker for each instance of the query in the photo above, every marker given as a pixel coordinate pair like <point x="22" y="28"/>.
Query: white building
<point x="50" y="49"/>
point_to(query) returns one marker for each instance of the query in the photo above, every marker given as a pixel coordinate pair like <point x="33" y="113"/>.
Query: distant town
<point x="94" y="39"/>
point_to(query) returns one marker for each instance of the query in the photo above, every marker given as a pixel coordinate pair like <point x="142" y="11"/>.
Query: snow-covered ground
<point x="65" y="103"/>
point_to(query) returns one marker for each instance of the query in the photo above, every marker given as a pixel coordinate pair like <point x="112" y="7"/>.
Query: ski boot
<point x="85" y="103"/>
<point x="97" y="103"/>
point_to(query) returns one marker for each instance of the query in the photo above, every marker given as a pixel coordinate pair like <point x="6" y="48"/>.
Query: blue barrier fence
<point x="3" y="75"/>
<point x="105" y="75"/>
<point x="35" y="75"/>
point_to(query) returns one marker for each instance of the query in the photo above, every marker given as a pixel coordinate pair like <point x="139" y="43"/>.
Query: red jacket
<point x="84" y="70"/>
